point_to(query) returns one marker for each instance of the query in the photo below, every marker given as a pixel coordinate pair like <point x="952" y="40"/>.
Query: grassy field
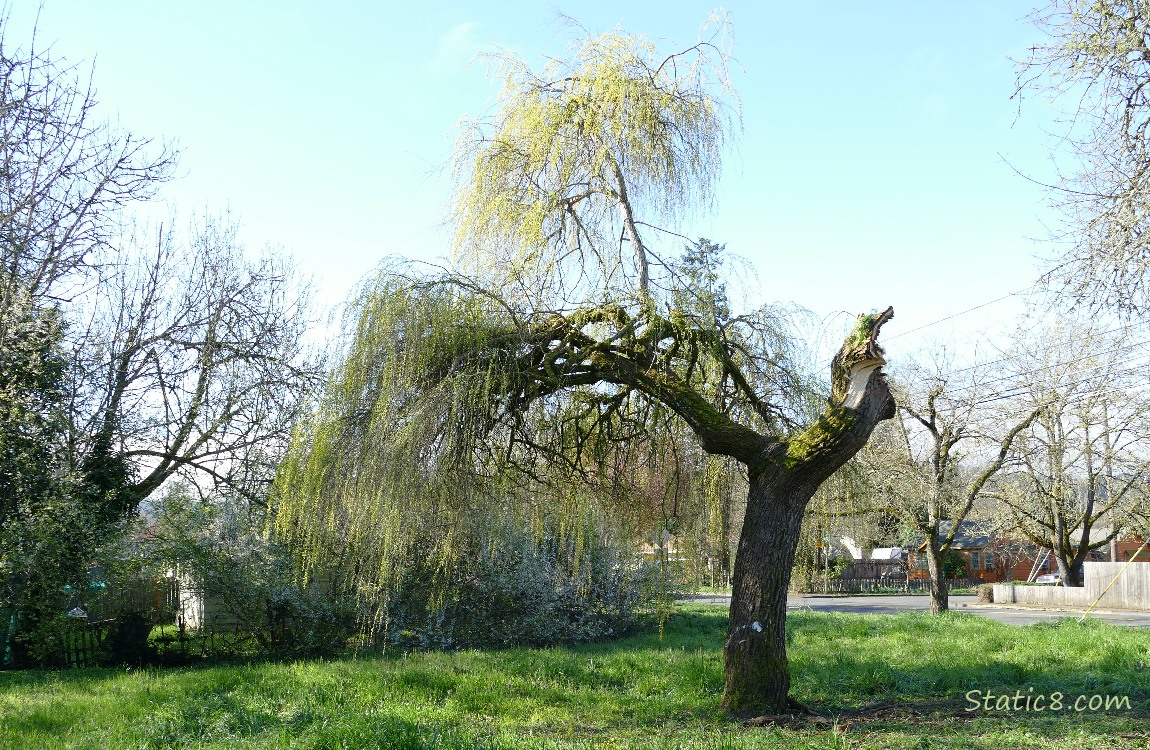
<point x="909" y="673"/>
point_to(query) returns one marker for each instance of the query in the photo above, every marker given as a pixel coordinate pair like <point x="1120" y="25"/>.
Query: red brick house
<point x="988" y="558"/>
<point x="1129" y="548"/>
<point x="993" y="560"/>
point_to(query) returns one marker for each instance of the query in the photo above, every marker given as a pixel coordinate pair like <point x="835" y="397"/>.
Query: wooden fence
<point x="157" y="599"/>
<point x="82" y="642"/>
<point x="81" y="638"/>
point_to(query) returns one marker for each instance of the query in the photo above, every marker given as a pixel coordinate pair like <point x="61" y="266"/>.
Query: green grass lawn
<point x="640" y="692"/>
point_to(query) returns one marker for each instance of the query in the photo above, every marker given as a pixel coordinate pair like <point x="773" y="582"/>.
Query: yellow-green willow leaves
<point x="579" y="158"/>
<point x="361" y="478"/>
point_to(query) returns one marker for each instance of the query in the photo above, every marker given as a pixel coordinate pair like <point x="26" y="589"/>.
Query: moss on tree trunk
<point x="782" y="482"/>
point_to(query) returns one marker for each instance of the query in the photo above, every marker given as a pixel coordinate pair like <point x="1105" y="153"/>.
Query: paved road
<point x="871" y="605"/>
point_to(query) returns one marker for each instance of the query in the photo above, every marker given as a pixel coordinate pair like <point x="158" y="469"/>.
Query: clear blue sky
<point x="875" y="166"/>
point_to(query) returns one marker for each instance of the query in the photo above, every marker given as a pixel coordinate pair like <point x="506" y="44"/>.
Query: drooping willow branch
<point x="447" y="388"/>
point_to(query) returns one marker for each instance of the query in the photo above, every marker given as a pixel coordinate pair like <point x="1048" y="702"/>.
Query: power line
<point x="1007" y="358"/>
<point x="1073" y="399"/>
<point x="957" y="314"/>
<point x="1118" y="362"/>
<point x="1018" y="390"/>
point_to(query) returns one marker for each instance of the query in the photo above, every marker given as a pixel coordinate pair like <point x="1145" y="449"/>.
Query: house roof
<point x="971" y="535"/>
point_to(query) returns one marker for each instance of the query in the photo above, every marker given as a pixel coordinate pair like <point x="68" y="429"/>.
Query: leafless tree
<point x="1098" y="60"/>
<point x="1006" y="549"/>
<point x="1085" y="456"/>
<point x="195" y="363"/>
<point x="64" y="175"/>
<point x="916" y="466"/>
<point x="185" y="358"/>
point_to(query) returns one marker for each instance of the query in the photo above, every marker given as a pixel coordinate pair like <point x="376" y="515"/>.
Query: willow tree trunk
<point x="782" y="481"/>
<point x="758" y="679"/>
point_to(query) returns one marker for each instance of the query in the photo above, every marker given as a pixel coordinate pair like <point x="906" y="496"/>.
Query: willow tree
<point x="578" y="159"/>
<point x="552" y="344"/>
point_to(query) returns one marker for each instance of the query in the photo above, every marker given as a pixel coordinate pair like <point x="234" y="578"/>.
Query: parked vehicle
<point x="1050" y="578"/>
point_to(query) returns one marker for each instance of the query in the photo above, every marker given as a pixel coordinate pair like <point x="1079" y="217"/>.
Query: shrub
<point x="985" y="593"/>
<point x="510" y="588"/>
<point x="43" y="555"/>
<point x="838" y="566"/>
<point x="221" y="553"/>
<point x="954" y="565"/>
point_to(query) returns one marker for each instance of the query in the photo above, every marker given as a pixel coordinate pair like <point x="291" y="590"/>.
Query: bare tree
<point x="187" y="358"/>
<point x="1098" y="59"/>
<point x="1006" y="548"/>
<point x="918" y="471"/>
<point x="1086" y="453"/>
<point x="65" y="174"/>
<point x="195" y="363"/>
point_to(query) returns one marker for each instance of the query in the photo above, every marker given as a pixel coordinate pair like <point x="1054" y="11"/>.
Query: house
<point x="879" y="562"/>
<point x="197" y="610"/>
<point x="1131" y="548"/>
<point x="987" y="557"/>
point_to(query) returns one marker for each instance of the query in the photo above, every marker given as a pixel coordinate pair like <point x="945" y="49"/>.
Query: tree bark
<point x="939" y="586"/>
<point x="1076" y="575"/>
<point x="631" y="230"/>
<point x="1065" y="571"/>
<point x="755" y="656"/>
<point x="782" y="482"/>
